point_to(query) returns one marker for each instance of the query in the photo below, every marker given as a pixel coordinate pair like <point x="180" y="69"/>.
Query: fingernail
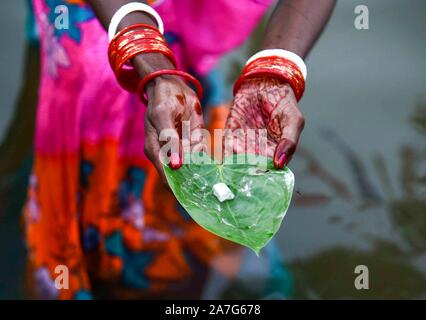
<point x="175" y="161"/>
<point x="280" y="161"/>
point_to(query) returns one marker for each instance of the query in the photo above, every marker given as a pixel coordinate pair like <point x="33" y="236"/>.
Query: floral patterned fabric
<point x="95" y="203"/>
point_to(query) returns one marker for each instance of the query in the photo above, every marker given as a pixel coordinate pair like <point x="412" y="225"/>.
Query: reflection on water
<point x="401" y="268"/>
<point x="350" y="205"/>
<point x="329" y="274"/>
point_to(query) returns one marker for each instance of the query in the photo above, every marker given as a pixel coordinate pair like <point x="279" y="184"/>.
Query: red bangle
<point x="129" y="34"/>
<point x="276" y="67"/>
<point x="132" y="35"/>
<point x="140" y="46"/>
<point x="298" y="89"/>
<point x="129" y="43"/>
<point x="128" y="46"/>
<point x="128" y="78"/>
<point x="185" y="75"/>
<point x="117" y="48"/>
<point x="133" y="27"/>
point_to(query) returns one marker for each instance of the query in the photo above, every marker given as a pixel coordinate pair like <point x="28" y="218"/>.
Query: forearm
<point x="295" y="25"/>
<point x="146" y="63"/>
<point x="105" y="9"/>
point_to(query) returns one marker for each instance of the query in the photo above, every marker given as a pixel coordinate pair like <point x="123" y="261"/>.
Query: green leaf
<point x="262" y="197"/>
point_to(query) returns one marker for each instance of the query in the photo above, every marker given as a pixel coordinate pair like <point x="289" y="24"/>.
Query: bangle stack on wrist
<point x="133" y="41"/>
<point x="130" y="42"/>
<point x="282" y="67"/>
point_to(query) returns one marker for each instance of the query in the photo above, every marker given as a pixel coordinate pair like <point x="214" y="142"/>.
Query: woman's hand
<point x="266" y="103"/>
<point x="170" y="103"/>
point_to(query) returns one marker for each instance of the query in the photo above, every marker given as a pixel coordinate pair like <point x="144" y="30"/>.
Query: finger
<point x="241" y="117"/>
<point x="290" y="134"/>
<point x="152" y="148"/>
<point x="165" y="124"/>
<point x="283" y="153"/>
<point x="196" y="116"/>
<point x="198" y="133"/>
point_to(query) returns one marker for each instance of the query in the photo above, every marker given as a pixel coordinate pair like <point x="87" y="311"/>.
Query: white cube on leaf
<point x="222" y="192"/>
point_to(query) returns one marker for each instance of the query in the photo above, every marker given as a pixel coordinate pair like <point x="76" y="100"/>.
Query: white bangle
<point x="298" y="61"/>
<point x="129" y="8"/>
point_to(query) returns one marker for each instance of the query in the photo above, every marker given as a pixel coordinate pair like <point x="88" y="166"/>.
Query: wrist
<point x="169" y="81"/>
<point x="145" y="48"/>
<point x="284" y="54"/>
<point x="272" y="64"/>
<point x="148" y="63"/>
<point x="161" y="81"/>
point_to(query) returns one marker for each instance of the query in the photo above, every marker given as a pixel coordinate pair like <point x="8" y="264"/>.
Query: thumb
<point x="283" y="153"/>
<point x="289" y="138"/>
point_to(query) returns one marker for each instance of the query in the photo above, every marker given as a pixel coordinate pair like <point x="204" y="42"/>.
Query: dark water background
<point x="360" y="170"/>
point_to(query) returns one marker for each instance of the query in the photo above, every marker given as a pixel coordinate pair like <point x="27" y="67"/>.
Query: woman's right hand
<point x="170" y="103"/>
<point x="266" y="104"/>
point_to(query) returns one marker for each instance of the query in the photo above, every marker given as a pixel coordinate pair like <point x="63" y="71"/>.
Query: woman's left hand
<point x="266" y="103"/>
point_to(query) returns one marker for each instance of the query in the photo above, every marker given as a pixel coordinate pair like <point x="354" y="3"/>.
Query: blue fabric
<point x="214" y="86"/>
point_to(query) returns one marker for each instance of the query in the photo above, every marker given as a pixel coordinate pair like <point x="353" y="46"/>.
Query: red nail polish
<point x="281" y="161"/>
<point x="175" y="161"/>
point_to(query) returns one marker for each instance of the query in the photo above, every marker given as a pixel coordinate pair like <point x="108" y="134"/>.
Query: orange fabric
<point x="69" y="208"/>
<point x="54" y="238"/>
<point x="218" y="116"/>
